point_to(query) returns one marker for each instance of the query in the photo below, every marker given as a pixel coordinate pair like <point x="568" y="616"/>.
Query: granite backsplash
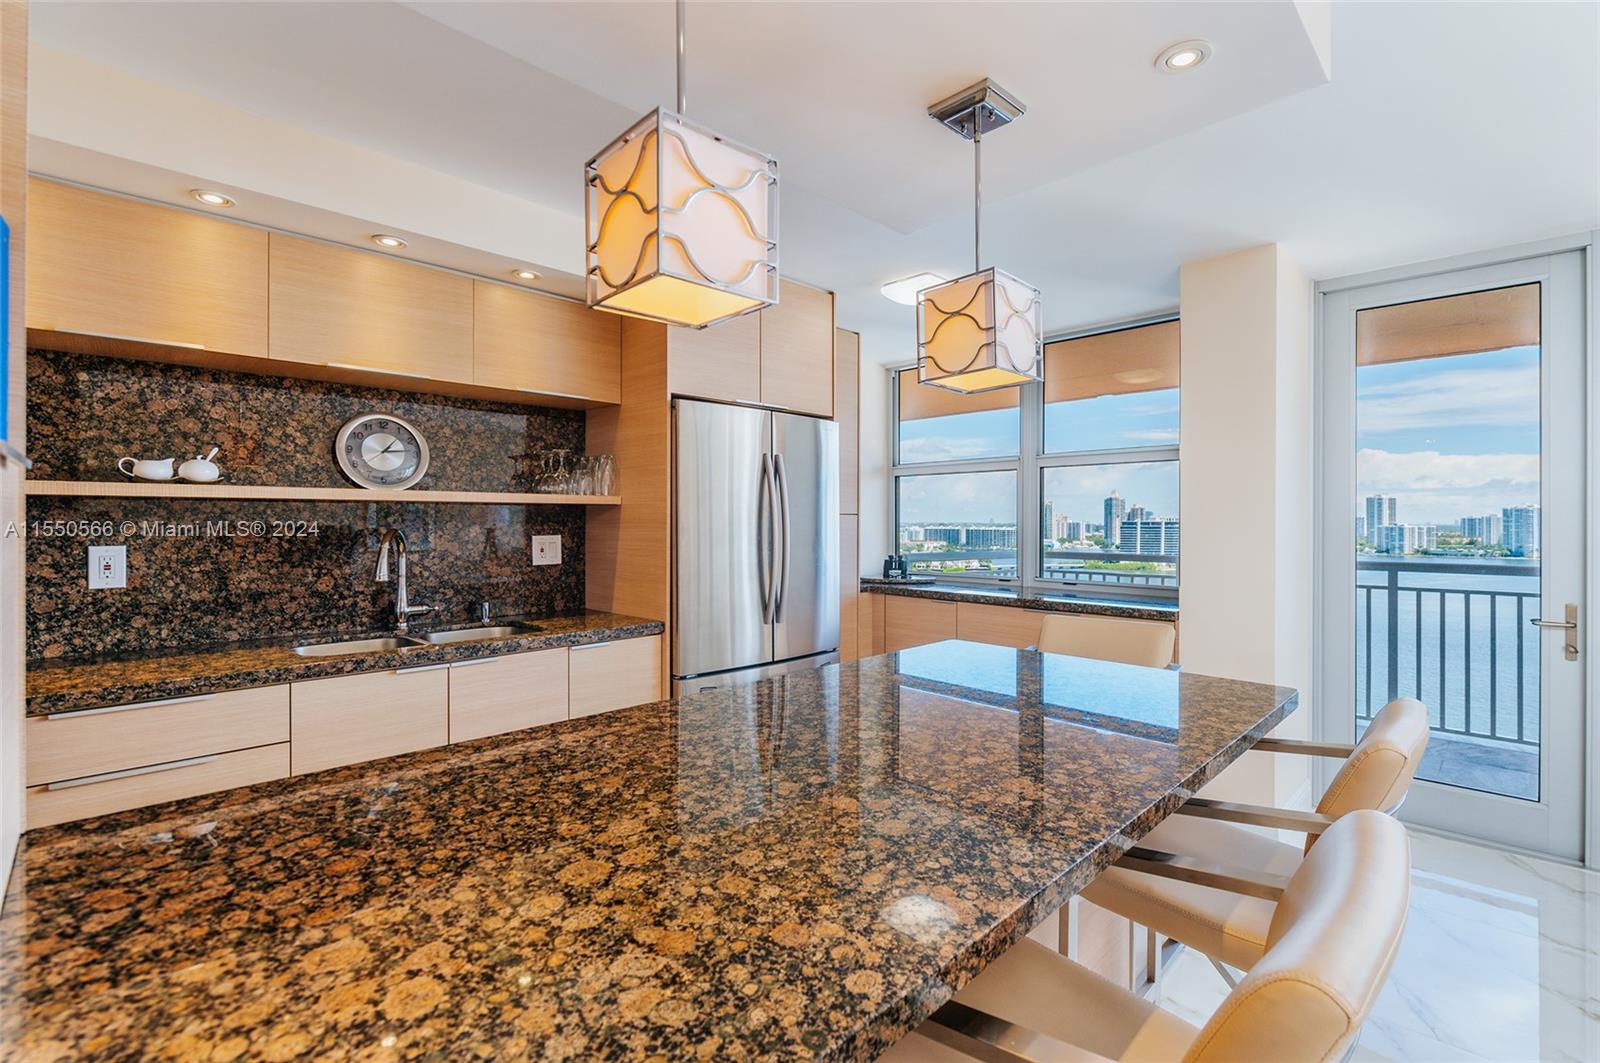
<point x="281" y="568"/>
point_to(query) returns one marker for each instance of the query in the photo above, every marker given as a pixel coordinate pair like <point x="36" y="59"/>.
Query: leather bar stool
<point x="1161" y="882"/>
<point x="1108" y="638"/>
<point x="1330" y="943"/>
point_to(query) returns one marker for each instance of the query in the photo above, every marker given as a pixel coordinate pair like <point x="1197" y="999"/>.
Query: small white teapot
<point x="147" y="468"/>
<point x="201" y="470"/>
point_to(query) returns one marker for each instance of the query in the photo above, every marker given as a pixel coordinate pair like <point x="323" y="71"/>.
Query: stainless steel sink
<point x="336" y="649"/>
<point x="469" y="634"/>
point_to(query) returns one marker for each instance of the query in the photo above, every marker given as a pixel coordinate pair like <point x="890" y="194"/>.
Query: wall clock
<point x="381" y="451"/>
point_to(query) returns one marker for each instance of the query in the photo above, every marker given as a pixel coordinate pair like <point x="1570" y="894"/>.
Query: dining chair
<point x="1108" y="638"/>
<point x="1179" y="880"/>
<point x="1332" y="939"/>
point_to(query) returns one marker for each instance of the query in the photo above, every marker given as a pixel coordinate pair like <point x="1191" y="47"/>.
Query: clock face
<point x="381" y="452"/>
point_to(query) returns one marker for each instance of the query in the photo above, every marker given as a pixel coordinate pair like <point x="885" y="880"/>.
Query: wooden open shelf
<point x="142" y="489"/>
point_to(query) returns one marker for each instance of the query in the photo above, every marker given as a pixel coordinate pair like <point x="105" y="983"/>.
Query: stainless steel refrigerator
<point x="755" y="544"/>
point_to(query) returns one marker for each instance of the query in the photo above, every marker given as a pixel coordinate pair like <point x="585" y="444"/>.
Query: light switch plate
<point x="108" y="567"/>
<point x="547" y="549"/>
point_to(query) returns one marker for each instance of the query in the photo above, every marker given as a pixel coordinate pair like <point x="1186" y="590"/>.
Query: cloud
<point x="1438" y="488"/>
<point x="945" y="448"/>
<point x="1152" y="435"/>
<point x="1460" y="398"/>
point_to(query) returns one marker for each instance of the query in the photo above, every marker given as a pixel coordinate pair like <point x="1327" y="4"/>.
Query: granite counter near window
<point x="988" y="594"/>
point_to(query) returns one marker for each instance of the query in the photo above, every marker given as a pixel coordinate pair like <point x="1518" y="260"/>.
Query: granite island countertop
<point x="66" y="686"/>
<point x="804" y="867"/>
<point x="1050" y="602"/>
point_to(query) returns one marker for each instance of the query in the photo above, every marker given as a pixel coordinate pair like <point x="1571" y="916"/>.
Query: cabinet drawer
<point x="351" y="718"/>
<point x="494" y="695"/>
<point x="614" y="675"/>
<point x="911" y="622"/>
<point x="72" y="745"/>
<point x="1001" y="625"/>
<point x="154" y="783"/>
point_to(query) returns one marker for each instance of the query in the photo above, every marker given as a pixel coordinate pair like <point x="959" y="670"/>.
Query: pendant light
<point x="982" y="331"/>
<point x="681" y="223"/>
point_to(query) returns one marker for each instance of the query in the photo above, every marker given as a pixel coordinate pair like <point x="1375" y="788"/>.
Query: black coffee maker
<point x="894" y="567"/>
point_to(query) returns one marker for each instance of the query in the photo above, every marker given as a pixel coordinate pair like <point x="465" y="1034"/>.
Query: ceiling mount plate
<point x="983" y="107"/>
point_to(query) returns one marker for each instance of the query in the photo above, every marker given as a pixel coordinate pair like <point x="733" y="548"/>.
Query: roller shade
<point x="1112" y="363"/>
<point x="1454" y="324"/>
<point x="918" y="400"/>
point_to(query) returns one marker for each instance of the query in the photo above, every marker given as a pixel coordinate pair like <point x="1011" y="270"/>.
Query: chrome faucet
<point x="403" y="609"/>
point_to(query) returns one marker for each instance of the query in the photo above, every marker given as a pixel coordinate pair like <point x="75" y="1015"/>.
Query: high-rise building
<point x="1381" y="510"/>
<point x="1485" y="529"/>
<point x="1047" y="520"/>
<point x="991" y="537"/>
<point x="1406" y="538"/>
<point x="1153" y="536"/>
<point x="1072" y="530"/>
<point x="1361" y="527"/>
<point x="1115" y="510"/>
<point x="1519" y="528"/>
<point x="949" y="534"/>
<point x="1137" y="513"/>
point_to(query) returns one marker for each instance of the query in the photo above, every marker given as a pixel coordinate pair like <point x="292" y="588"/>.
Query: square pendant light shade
<point x="979" y="332"/>
<point x="681" y="224"/>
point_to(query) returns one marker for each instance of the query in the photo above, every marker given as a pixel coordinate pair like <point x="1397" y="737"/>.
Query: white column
<point x="1246" y="499"/>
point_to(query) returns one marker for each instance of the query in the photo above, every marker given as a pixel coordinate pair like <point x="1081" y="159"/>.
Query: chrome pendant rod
<point x="977" y="190"/>
<point x="683" y="104"/>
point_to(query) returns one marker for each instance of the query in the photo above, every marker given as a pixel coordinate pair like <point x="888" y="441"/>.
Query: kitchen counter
<point x="805" y="867"/>
<point x="989" y="594"/>
<point x="64" y="686"/>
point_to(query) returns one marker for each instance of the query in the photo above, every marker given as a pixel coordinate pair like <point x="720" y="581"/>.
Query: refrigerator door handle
<point x="764" y="518"/>
<point x="783" y="509"/>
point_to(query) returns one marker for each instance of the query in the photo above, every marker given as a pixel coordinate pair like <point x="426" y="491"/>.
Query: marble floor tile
<point x="1500" y="961"/>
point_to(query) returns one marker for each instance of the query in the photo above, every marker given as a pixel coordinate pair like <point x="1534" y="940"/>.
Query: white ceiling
<point x="1444" y="128"/>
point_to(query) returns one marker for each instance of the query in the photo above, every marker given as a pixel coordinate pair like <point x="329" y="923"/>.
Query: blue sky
<point x="1450" y="437"/>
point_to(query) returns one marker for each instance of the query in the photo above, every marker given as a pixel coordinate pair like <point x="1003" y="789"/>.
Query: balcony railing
<point x="1455" y="635"/>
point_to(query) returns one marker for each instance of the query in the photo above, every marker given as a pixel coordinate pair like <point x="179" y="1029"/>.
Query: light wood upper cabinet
<point x="847" y="411"/>
<point x="118" y="267"/>
<point x="337" y="306"/>
<point x="540" y="343"/>
<point x="797" y="351"/>
<point x="722" y="362"/>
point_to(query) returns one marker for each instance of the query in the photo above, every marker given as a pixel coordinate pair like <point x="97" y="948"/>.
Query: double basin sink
<point x="406" y="642"/>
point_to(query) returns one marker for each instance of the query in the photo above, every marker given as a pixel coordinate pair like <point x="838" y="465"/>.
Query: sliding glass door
<point x="1452" y="452"/>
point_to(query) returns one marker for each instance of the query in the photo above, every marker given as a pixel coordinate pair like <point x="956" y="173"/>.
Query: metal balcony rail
<point x="1006" y="557"/>
<point x="1473" y="658"/>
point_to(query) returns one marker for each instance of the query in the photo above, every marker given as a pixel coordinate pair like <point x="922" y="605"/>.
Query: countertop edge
<point x="223" y="679"/>
<point x="1016" y="599"/>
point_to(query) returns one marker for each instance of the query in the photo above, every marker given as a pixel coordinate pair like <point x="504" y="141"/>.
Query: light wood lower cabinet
<point x="350" y="718"/>
<point x="72" y="745"/>
<point x="911" y="622"/>
<point x="493" y="695"/>
<point x="613" y="675"/>
<point x="849" y="588"/>
<point x="153" y="784"/>
<point x="1001" y="625"/>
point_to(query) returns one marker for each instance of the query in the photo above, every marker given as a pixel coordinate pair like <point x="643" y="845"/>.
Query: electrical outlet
<point x="108" y="567"/>
<point x="547" y="549"/>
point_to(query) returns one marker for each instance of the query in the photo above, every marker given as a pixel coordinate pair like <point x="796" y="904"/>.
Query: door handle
<point x="764" y="538"/>
<point x="783" y="505"/>
<point x="1569" y="625"/>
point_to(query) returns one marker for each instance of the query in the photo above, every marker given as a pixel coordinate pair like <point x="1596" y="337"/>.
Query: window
<point x="1090" y="457"/>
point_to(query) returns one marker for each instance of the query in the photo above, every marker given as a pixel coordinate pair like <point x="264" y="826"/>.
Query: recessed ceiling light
<point x="212" y="199"/>
<point x="526" y="274"/>
<point x="385" y="240"/>
<point x="1183" y="56"/>
<point x="904" y="291"/>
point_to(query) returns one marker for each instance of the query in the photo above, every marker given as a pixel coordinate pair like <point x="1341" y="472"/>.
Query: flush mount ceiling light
<point x="1183" y="56"/>
<point x="394" y="243"/>
<point x="982" y="331"/>
<point x="681" y="223"/>
<point x="213" y="199"/>
<point x="526" y="274"/>
<point x="904" y="291"/>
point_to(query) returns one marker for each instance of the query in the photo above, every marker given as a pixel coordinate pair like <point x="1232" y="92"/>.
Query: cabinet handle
<point x="128" y="773"/>
<point x="375" y="369"/>
<point x="421" y="668"/>
<point x="475" y="660"/>
<point x="137" y="339"/>
<point x="554" y="394"/>
<point x="125" y="708"/>
<point x="761" y="405"/>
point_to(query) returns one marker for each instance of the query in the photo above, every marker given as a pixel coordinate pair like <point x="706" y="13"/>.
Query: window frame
<point x="1029" y="465"/>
